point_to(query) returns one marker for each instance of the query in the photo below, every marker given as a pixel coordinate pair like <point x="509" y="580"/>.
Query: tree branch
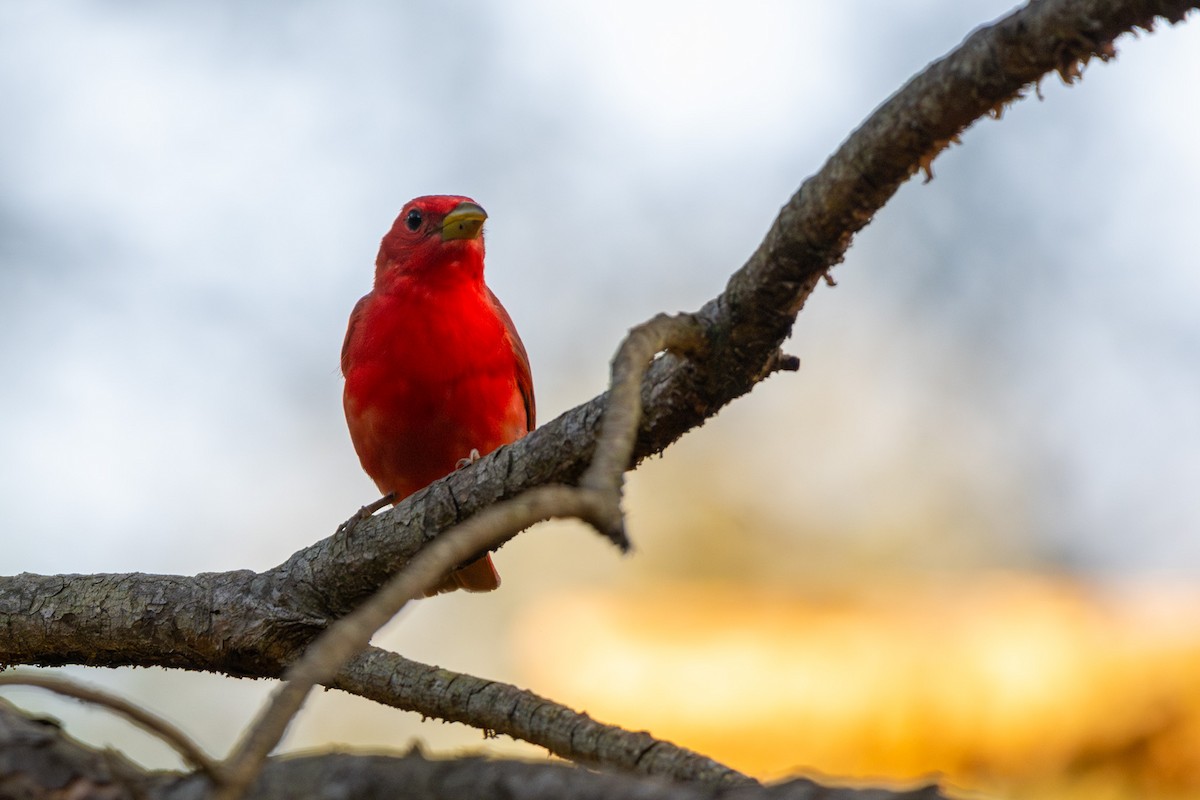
<point x="499" y="708"/>
<point x="153" y="724"/>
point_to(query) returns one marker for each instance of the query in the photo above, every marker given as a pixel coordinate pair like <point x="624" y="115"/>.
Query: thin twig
<point x="619" y="426"/>
<point x="179" y="741"/>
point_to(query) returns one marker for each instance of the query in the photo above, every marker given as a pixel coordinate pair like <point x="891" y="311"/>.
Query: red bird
<point x="435" y="372"/>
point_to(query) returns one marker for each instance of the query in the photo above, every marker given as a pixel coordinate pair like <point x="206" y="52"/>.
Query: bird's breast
<point x="431" y="376"/>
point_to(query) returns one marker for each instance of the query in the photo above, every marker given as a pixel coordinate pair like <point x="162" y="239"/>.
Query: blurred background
<point x="962" y="542"/>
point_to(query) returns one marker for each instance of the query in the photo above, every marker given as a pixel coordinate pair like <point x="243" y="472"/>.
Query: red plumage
<point x="433" y="365"/>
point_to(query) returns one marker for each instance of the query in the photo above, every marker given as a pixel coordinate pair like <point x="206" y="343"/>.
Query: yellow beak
<point x="464" y="222"/>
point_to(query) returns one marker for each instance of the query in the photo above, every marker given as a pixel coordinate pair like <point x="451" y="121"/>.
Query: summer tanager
<point x="436" y="375"/>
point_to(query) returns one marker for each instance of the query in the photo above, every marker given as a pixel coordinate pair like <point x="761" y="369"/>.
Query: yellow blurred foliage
<point x="1029" y="684"/>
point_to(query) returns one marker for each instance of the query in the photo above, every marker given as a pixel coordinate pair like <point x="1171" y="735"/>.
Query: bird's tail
<point x="479" y="575"/>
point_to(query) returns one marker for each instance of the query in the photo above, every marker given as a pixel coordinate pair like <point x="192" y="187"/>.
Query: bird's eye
<point x="413" y="220"/>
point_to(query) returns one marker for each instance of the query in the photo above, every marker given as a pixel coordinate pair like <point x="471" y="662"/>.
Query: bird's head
<point x="435" y="237"/>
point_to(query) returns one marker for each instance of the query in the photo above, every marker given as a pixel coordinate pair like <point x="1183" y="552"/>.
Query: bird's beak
<point x="464" y="222"/>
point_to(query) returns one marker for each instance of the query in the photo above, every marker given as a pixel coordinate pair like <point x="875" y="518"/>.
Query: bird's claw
<point x="471" y="458"/>
<point x="349" y="525"/>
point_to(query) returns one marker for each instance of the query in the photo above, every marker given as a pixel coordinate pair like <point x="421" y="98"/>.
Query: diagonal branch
<point x="153" y="724"/>
<point x="746" y="324"/>
<point x="499" y="708"/>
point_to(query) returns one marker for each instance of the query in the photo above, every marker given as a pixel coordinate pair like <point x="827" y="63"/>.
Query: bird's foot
<point x="471" y="458"/>
<point x="347" y="527"/>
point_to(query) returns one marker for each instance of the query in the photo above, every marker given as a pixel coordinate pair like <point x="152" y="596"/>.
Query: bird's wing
<point x="354" y="317"/>
<point x="524" y="376"/>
